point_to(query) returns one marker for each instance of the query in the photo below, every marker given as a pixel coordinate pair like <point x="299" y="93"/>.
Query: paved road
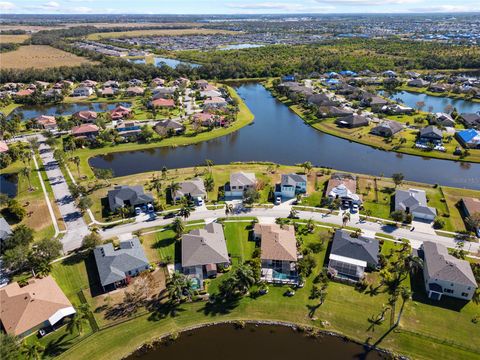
<point x="76" y="226"/>
<point x="416" y="237"/>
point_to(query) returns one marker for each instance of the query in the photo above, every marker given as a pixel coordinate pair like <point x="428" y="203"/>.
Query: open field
<point x="156" y="32"/>
<point x="17" y="39"/>
<point x="39" y="57"/>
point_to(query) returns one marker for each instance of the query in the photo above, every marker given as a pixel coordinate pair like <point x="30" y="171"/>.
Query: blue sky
<point x="234" y="6"/>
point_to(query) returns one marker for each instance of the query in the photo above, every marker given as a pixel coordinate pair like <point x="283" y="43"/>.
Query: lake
<point x="255" y="342"/>
<point x="279" y="135"/>
<point x="159" y="61"/>
<point x="438" y="103"/>
<point x="32" y="111"/>
<point x="239" y="46"/>
<point x="8" y="184"/>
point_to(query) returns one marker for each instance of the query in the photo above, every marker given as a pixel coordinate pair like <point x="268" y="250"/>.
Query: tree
<point x="178" y="227"/>
<point x="307" y="167"/>
<point x="26" y="171"/>
<point x="34" y="144"/>
<point x="406" y="295"/>
<point x="251" y="196"/>
<point x="43" y="253"/>
<point x="156" y="183"/>
<point x="186" y="210"/>
<point x="164" y="172"/>
<point x="16" y="259"/>
<point x="179" y="286"/>
<point x="78" y="320"/>
<point x="91" y="240"/>
<point x="22" y="235"/>
<point x="84" y="203"/>
<point x="398" y="215"/>
<point x="346" y="218"/>
<point x="209" y="183"/>
<point x="103" y="174"/>
<point x="209" y="164"/>
<point x="33" y="350"/>
<point x="17" y="211"/>
<point x="173" y="188"/>
<point x="473" y="220"/>
<point x="397" y="179"/>
<point x="76" y="161"/>
<point x="244" y="278"/>
<point x="306" y="265"/>
<point x="9" y="347"/>
<point x="367" y="213"/>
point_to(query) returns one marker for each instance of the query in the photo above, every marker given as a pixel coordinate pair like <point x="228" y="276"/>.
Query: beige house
<point x="278" y="252"/>
<point x="37" y="305"/>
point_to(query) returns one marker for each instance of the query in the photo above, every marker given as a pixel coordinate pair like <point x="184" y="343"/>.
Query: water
<point x="280" y="136"/>
<point x="239" y="46"/>
<point x="32" y="111"/>
<point x="255" y="342"/>
<point x="438" y="103"/>
<point x="8" y="184"/>
<point x="173" y="63"/>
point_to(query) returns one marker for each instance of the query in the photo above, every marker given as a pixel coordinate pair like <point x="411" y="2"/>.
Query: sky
<point x="235" y="6"/>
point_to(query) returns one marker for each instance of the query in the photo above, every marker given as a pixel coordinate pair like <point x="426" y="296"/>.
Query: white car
<point x="354" y="208"/>
<point x="278" y="200"/>
<point x="199" y="201"/>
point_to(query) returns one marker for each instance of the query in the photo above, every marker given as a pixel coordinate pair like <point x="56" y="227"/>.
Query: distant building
<point x="46" y="122"/>
<point x="86" y="130"/>
<point x="82" y="91"/>
<point x="469" y="138"/>
<point x="86" y="116"/>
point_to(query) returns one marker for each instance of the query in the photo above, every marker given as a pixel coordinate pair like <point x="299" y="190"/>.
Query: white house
<point x="414" y="202"/>
<point x="446" y="275"/>
<point x="291" y="185"/>
<point x="82" y="91"/>
<point x="239" y="183"/>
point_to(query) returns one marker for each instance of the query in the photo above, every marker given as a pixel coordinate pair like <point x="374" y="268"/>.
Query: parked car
<point x="169" y="215"/>
<point x="199" y="201"/>
<point x="151" y="216"/>
<point x="138" y="211"/>
<point x="354" y="208"/>
<point x="278" y="200"/>
<point x="150" y="208"/>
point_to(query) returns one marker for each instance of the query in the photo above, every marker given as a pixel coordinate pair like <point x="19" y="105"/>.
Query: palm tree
<point x="77" y="322"/>
<point x="178" y="227"/>
<point x="173" y="188"/>
<point x="346" y="218"/>
<point x="33" y="351"/>
<point x="209" y="183"/>
<point x="156" y="184"/>
<point x="26" y="171"/>
<point x="406" y="295"/>
<point x="124" y="211"/>
<point x="76" y="161"/>
<point x="209" y="164"/>
<point x="179" y="286"/>
<point x="164" y="172"/>
<point x="244" y="278"/>
<point x="307" y="167"/>
<point x="186" y="210"/>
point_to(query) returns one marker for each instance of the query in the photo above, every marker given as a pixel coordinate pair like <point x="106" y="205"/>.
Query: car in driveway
<point x="278" y="200"/>
<point x="199" y="201"/>
<point x="354" y="208"/>
<point x="138" y="211"/>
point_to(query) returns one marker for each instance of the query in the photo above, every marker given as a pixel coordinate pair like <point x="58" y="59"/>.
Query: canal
<point x="255" y="342"/>
<point x="279" y="135"/>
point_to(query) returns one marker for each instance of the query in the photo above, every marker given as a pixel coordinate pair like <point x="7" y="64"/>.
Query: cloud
<point x="446" y="9"/>
<point x="6" y="5"/>
<point x="367" y="2"/>
<point x="82" y="10"/>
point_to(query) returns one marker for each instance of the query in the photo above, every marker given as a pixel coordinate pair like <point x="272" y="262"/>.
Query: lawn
<point x="71" y="275"/>
<point x="156" y="32"/>
<point x="39" y="57"/>
<point x="240" y="244"/>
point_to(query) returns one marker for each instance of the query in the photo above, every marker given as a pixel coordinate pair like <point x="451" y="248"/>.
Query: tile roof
<point x="277" y="243"/>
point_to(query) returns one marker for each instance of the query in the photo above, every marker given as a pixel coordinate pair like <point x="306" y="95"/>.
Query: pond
<point x="437" y="103"/>
<point x="239" y="46"/>
<point x="255" y="342"/>
<point x="281" y="136"/>
<point x="158" y="61"/>
<point x="64" y="109"/>
<point x="8" y="184"/>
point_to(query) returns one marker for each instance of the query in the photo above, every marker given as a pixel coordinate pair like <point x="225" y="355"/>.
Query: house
<point x="42" y="84"/>
<point x="469" y="138"/>
<point x="377" y="103"/>
<point x="204" y="118"/>
<point x="37" y="305"/>
<point x="352" y="121"/>
<point x="278" y="252"/>
<point x="203" y="250"/>
<point x="438" y="88"/>
<point x="201" y="84"/>
<point x="52" y="93"/>
<point x="351" y="256"/>
<point x="157" y="82"/>
<point x="117" y="266"/>
<point x="135" y="82"/>
<point x="134" y="91"/>
<point x="470" y="120"/>
<point x="417" y="83"/>
<point x="164" y="103"/>
<point x="120" y="112"/>
<point x="3" y="147"/>
<point x="412" y="74"/>
<point x="413" y="201"/>
<point x="164" y="92"/>
<point x="164" y="127"/>
<point x="191" y="188"/>
<point x="333" y="111"/>
<point x="86" y="116"/>
<point x="431" y="134"/>
<point x="343" y="186"/>
<point x="128" y="129"/>
<point x="5" y="230"/>
<point x="446" y="275"/>
<point x="181" y="81"/>
<point x="390" y="74"/>
<point x="24" y="93"/>
<point x="239" y="183"/>
<point x="469" y="207"/>
<point x="86" y="130"/>
<point x="88" y="83"/>
<point x="46" y="122"/>
<point x="215" y="103"/>
<point x="109" y="91"/>
<point x="210" y="94"/>
<point x="444" y="119"/>
<point x="291" y="185"/>
<point x="387" y="128"/>
<point x="128" y="196"/>
<point x="82" y="91"/>
<point x="321" y="100"/>
<point x="111" y="84"/>
<point x="396" y="109"/>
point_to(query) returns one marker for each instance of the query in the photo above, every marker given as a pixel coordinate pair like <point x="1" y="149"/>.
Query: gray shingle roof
<point x="413" y="199"/>
<point x="5" y="229"/>
<point x="242" y="179"/>
<point x="361" y="248"/>
<point x="293" y="179"/>
<point x="113" y="265"/>
<point x="194" y="187"/>
<point x="124" y="194"/>
<point x="431" y="132"/>
<point x="443" y="266"/>
<point x="204" y="246"/>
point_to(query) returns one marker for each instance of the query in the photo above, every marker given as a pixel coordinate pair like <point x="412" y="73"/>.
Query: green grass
<point x="71" y="275"/>
<point x="240" y="245"/>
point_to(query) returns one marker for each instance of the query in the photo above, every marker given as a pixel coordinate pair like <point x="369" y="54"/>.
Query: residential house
<point x="351" y="256"/>
<point x="204" y="250"/>
<point x="86" y="116"/>
<point x="333" y="111"/>
<point x="321" y="100"/>
<point x="194" y="188"/>
<point x="52" y="93"/>
<point x="215" y="103"/>
<point x="201" y="84"/>
<point x="377" y="103"/>
<point x="444" y="120"/>
<point x="396" y="109"/>
<point x="469" y="138"/>
<point x="37" y="305"/>
<point x="88" y="83"/>
<point x="278" y="252"/>
<point x="109" y="91"/>
<point x="438" y="88"/>
<point x="413" y="201"/>
<point x="239" y="183"/>
<point x="86" y="130"/>
<point x="352" y="121"/>
<point x="470" y="120"/>
<point x="117" y="266"/>
<point x="111" y="84"/>
<point x="181" y="81"/>
<point x="344" y="187"/>
<point x="204" y="118"/>
<point x="167" y="126"/>
<point x="291" y="185"/>
<point x="134" y="91"/>
<point x="128" y="129"/>
<point x="446" y="275"/>
<point x="162" y="103"/>
<point x="46" y="122"/>
<point x="387" y="128"/>
<point x="469" y="207"/>
<point x="42" y="84"/>
<point x="431" y="134"/>
<point x="128" y="196"/>
<point x="135" y="82"/>
<point x="210" y="94"/>
<point x="390" y="74"/>
<point x="164" y="92"/>
<point x="24" y="93"/>
<point x="157" y="82"/>
<point x="3" y="147"/>
<point x="5" y="230"/>
<point x="83" y="91"/>
<point x="120" y="112"/>
<point x="412" y="74"/>
<point x="417" y="83"/>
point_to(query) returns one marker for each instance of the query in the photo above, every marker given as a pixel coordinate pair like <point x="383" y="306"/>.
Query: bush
<point x="439" y="223"/>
